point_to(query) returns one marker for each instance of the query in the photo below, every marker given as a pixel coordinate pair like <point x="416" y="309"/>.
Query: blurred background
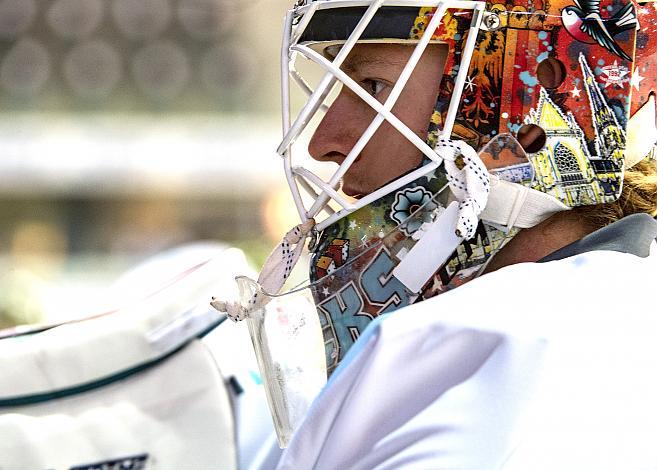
<point x="128" y="127"/>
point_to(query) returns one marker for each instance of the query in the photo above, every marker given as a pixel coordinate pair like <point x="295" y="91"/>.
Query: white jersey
<point x="536" y="366"/>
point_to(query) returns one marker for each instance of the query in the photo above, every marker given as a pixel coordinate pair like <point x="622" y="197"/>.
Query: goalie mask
<point x="531" y="116"/>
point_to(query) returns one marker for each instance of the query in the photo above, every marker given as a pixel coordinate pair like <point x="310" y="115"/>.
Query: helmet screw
<point x="491" y="21"/>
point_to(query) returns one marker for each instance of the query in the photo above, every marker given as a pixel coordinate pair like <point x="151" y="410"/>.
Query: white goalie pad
<point x="135" y="388"/>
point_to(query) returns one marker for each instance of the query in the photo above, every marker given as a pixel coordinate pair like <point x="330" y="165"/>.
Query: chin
<point x="353" y="192"/>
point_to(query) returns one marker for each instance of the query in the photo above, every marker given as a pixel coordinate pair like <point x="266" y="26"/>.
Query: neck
<point x="533" y="244"/>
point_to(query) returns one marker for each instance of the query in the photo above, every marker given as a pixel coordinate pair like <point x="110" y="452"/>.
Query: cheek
<point x="415" y="110"/>
<point x="389" y="154"/>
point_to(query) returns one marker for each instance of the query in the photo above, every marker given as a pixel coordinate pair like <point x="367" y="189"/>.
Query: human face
<point x="388" y="155"/>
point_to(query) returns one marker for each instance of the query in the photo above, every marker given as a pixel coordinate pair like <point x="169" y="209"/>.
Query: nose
<point x="338" y="131"/>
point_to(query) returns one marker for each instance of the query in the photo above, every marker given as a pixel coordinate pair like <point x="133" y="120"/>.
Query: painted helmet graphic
<point x="537" y="112"/>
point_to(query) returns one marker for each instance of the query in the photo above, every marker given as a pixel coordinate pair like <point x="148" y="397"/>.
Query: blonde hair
<point x="639" y="195"/>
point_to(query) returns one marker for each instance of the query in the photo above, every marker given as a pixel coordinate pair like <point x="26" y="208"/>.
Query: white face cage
<point x="322" y="192"/>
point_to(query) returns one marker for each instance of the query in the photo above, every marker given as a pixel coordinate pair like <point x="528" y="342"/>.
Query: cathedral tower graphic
<point x="610" y="136"/>
<point x="564" y="167"/>
<point x="609" y="141"/>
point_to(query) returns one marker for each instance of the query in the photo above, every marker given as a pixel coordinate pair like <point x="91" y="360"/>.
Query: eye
<point x="373" y="87"/>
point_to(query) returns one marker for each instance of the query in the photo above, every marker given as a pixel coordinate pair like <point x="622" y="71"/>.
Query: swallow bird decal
<point x="584" y="23"/>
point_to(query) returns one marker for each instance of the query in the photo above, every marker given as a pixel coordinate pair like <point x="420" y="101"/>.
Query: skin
<point x="376" y="67"/>
<point x="532" y="244"/>
<point x="388" y="155"/>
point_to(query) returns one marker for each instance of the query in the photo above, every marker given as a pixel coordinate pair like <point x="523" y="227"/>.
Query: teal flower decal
<point x="406" y="205"/>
